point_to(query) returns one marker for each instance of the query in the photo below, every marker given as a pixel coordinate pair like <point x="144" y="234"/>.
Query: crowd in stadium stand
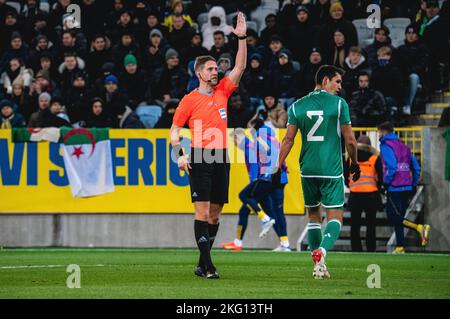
<point x="128" y="63"/>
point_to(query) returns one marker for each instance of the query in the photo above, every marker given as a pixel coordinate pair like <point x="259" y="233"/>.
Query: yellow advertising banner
<point x="33" y="178"/>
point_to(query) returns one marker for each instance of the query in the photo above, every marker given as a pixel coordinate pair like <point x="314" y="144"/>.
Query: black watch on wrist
<point x="243" y="37"/>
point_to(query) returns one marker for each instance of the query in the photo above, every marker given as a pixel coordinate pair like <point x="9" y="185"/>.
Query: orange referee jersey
<point x="206" y="115"/>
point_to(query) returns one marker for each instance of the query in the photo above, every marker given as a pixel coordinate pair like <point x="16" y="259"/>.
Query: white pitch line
<point x="49" y="266"/>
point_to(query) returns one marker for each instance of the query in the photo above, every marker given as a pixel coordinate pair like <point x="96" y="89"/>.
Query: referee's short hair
<point x="327" y="71"/>
<point x="201" y="60"/>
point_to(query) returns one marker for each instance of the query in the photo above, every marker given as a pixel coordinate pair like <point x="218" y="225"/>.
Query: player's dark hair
<point x="201" y="60"/>
<point x="386" y="126"/>
<point x="327" y="71"/>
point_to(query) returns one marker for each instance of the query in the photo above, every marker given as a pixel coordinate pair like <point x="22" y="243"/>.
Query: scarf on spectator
<point x="6" y="122"/>
<point x="13" y="74"/>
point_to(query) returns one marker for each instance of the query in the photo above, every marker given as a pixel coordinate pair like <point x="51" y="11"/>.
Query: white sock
<point x="324" y="252"/>
<point x="238" y="242"/>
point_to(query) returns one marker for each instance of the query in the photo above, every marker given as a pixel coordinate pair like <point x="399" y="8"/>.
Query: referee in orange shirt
<point x="205" y="111"/>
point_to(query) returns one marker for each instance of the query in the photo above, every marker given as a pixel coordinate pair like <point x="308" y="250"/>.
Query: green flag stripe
<point x="70" y="136"/>
<point x="20" y="135"/>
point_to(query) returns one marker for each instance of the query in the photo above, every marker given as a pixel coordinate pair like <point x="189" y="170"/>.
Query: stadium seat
<point x="45" y="6"/>
<point x="397" y="27"/>
<point x="202" y="19"/>
<point x="296" y="65"/>
<point x="230" y="17"/>
<point x="16" y="5"/>
<point x="270" y="4"/>
<point x="252" y="25"/>
<point x="149" y="114"/>
<point x="365" y="34"/>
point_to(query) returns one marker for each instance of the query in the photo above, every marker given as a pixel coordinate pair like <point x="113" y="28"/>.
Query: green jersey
<point x="319" y="116"/>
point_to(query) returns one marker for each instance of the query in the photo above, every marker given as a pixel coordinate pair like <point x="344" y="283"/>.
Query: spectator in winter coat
<point x="54" y="116"/>
<point x="154" y="53"/>
<point x="355" y="62"/>
<point x="255" y="79"/>
<point x="219" y="46"/>
<point x="43" y="103"/>
<point x="367" y="106"/>
<point x="301" y="34"/>
<point x="99" y="54"/>
<point x="15" y="70"/>
<point x="194" y="49"/>
<point x="71" y="66"/>
<point x="387" y="78"/>
<point x="412" y="58"/>
<point x="284" y="77"/>
<point x="306" y="77"/>
<point x="97" y="116"/>
<point x="180" y="36"/>
<point x="134" y="82"/>
<point x="9" y="117"/>
<point x="238" y="113"/>
<point x="382" y="39"/>
<point x="338" y="22"/>
<point x="18" y="49"/>
<point x="275" y="110"/>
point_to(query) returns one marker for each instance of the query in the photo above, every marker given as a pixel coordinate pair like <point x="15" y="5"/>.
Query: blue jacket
<point x="391" y="165"/>
<point x="266" y="146"/>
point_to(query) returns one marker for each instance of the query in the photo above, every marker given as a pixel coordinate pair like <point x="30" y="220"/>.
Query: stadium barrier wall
<point x="175" y="230"/>
<point x="33" y="178"/>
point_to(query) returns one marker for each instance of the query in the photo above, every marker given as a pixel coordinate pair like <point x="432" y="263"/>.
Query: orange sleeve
<point x="182" y="113"/>
<point x="226" y="86"/>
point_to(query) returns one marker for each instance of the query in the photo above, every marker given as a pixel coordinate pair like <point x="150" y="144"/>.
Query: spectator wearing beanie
<point x="306" y="78"/>
<point x="412" y="58"/>
<point x="125" y="25"/>
<point x="17" y="49"/>
<point x="134" y="82"/>
<point x="77" y="98"/>
<point x="170" y="81"/>
<point x="255" y="79"/>
<point x="150" y="23"/>
<point x="154" y="53"/>
<point x="114" y="99"/>
<point x="194" y="49"/>
<point x="272" y="28"/>
<point x="125" y="46"/>
<point x="10" y="23"/>
<point x="54" y="116"/>
<point x="284" y="77"/>
<point x="10" y="118"/>
<point x="43" y="46"/>
<point x="43" y="103"/>
<point x="337" y="22"/>
<point x="100" y="53"/>
<point x="301" y="34"/>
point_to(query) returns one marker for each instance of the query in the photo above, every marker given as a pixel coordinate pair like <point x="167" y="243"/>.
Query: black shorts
<point x="209" y="180"/>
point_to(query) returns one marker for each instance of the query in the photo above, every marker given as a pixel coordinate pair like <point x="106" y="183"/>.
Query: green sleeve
<point x="292" y="119"/>
<point x="344" y="117"/>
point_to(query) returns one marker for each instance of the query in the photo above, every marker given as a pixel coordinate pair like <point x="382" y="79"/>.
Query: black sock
<point x="212" y="230"/>
<point x="202" y="239"/>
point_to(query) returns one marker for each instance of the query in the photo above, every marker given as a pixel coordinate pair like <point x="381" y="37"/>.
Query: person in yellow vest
<point x="364" y="194"/>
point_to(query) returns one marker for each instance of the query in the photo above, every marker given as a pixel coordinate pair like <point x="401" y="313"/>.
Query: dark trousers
<point x="396" y="206"/>
<point x="368" y="203"/>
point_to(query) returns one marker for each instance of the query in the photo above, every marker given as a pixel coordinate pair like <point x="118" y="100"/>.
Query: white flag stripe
<point x="50" y="134"/>
<point x="89" y="175"/>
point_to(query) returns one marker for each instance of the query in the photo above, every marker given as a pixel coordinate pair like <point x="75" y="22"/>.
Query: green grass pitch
<point x="168" y="273"/>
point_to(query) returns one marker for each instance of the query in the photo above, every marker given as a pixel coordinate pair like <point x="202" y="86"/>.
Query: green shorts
<point x="326" y="191"/>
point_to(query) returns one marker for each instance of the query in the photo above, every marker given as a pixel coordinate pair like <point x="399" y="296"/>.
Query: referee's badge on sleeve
<point x="223" y="113"/>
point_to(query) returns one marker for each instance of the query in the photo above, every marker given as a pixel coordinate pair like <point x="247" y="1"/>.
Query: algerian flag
<point x="23" y="134"/>
<point x="87" y="158"/>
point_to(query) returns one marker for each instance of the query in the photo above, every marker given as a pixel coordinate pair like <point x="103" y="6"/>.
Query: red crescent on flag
<point x="81" y="131"/>
<point x="34" y="130"/>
